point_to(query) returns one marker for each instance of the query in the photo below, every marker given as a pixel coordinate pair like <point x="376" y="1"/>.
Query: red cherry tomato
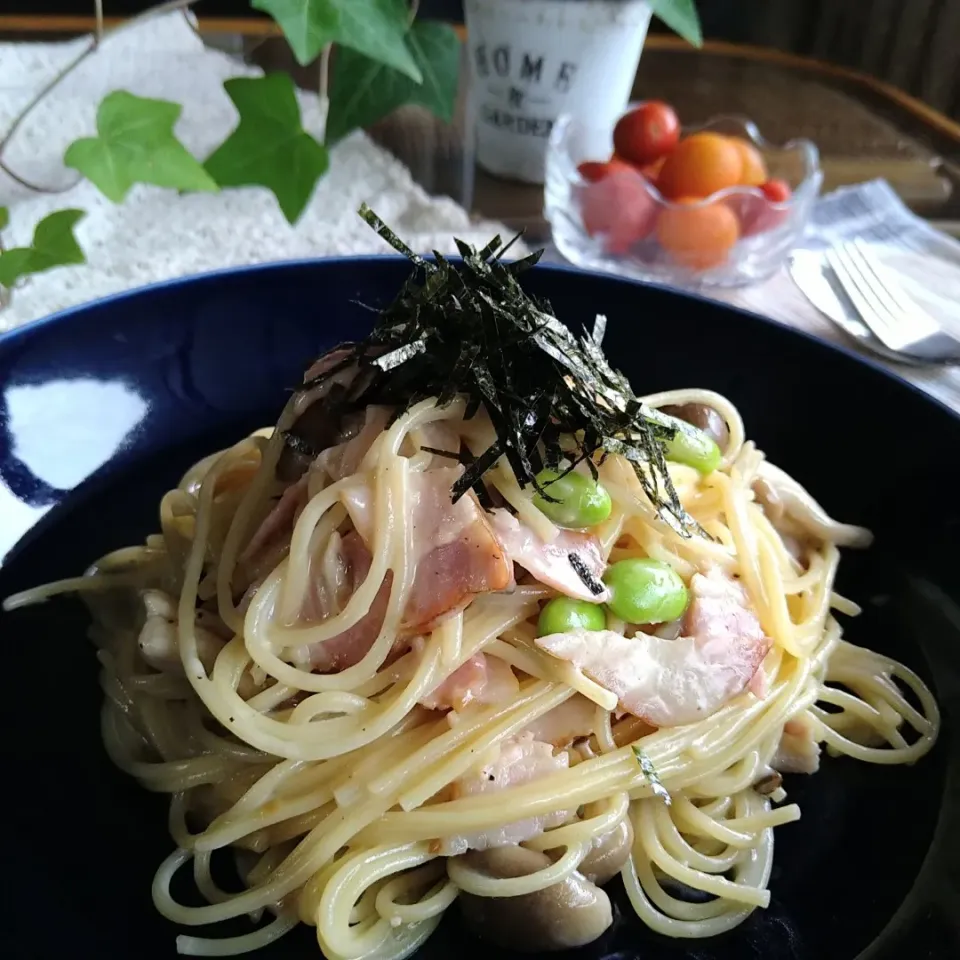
<point x="646" y="133"/>
<point x="619" y="210"/>
<point x="594" y="170"/>
<point x="759" y="215"/>
<point x="652" y="170"/>
<point x="776" y="191"/>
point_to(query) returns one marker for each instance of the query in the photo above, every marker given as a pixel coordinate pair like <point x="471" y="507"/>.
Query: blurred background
<point x="854" y="106"/>
<point x="909" y="43"/>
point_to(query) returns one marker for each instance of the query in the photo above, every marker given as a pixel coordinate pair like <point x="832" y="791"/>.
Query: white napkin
<point x="926" y="261"/>
<point x="156" y="235"/>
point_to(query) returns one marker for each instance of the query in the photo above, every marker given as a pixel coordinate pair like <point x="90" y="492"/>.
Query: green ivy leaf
<point x="269" y="147"/>
<point x="681" y="17"/>
<point x="363" y="91"/>
<point x="4" y="218"/>
<point x="136" y="144"/>
<point x="53" y="245"/>
<point x="375" y="28"/>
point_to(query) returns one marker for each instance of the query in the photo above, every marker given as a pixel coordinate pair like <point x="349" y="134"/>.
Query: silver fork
<point x="896" y="320"/>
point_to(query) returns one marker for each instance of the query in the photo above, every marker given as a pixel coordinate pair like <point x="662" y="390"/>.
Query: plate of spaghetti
<point x="469" y="606"/>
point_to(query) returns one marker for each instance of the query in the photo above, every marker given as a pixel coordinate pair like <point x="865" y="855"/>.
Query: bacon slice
<point x="344" y="458"/>
<point x="457" y="554"/>
<point x="276" y="529"/>
<point x="571" y="720"/>
<point x="519" y="761"/>
<point x="798" y="750"/>
<point x="480" y="679"/>
<point x="350" y="647"/>
<point x="672" y="682"/>
<point x="550" y="562"/>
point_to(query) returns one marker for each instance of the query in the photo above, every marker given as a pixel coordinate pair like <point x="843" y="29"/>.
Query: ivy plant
<point x="384" y="57"/>
<point x="53" y="245"/>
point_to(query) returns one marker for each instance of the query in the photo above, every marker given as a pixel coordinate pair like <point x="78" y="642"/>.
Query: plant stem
<point x="55" y="81"/>
<point x="414" y="10"/>
<point x="323" y="86"/>
<point x="4" y="293"/>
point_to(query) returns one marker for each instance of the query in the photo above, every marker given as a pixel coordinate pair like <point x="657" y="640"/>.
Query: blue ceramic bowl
<point x="103" y="407"/>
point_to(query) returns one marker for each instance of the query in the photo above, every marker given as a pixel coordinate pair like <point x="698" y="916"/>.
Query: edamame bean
<point x="563" y="614"/>
<point x="702" y="416"/>
<point x="693" y="447"/>
<point x="645" y="591"/>
<point x="575" y="501"/>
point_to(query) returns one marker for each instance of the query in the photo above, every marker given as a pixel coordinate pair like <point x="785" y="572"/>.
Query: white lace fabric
<point x="155" y="234"/>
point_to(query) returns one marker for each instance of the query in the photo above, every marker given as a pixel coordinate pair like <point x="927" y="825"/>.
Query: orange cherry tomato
<point x="754" y="167"/>
<point x="701" y="165"/>
<point x="594" y="170"/>
<point x="619" y="210"/>
<point x="646" y="133"/>
<point x="698" y="237"/>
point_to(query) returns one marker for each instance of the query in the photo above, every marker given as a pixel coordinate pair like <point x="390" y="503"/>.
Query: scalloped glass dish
<point x="768" y="231"/>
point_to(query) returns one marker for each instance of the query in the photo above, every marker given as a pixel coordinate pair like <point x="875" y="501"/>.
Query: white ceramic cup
<point x="533" y="60"/>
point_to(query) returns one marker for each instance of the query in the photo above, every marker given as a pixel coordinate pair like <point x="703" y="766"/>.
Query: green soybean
<point x="693" y="447"/>
<point x="575" y="501"/>
<point x="563" y="614"/>
<point x="645" y="591"/>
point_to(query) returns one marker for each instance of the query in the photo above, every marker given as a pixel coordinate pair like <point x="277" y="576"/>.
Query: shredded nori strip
<point x="469" y="329"/>
<point x="583" y="572"/>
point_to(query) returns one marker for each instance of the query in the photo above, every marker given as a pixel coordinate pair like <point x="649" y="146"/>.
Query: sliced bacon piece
<point x="798" y="751"/>
<point x="344" y="458"/>
<point x="550" y="562"/>
<point x="457" y="557"/>
<point x="571" y="720"/>
<point x="456" y="552"/>
<point x="519" y="761"/>
<point x="480" y="679"/>
<point x="673" y="682"/>
<point x="277" y="526"/>
<point x="350" y="647"/>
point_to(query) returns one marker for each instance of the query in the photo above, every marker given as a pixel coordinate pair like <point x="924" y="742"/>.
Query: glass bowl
<point x="766" y="231"/>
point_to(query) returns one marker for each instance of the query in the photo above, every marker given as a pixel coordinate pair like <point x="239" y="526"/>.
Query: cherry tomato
<point x="776" y="191"/>
<point x="754" y="167"/>
<point x="594" y="170"/>
<point x="760" y="214"/>
<point x="652" y="170"/>
<point x="698" y="237"/>
<point x="619" y="210"/>
<point x="701" y="165"/>
<point x="646" y="133"/>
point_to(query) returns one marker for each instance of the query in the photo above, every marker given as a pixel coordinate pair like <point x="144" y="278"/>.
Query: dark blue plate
<point x="103" y="408"/>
